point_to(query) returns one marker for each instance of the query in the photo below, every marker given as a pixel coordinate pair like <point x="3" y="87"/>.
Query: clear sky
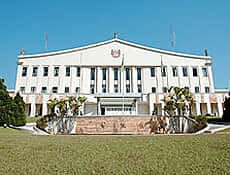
<point x="198" y="24"/>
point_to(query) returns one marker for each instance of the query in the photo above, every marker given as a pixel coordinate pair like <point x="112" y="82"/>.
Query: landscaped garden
<point x="22" y="153"/>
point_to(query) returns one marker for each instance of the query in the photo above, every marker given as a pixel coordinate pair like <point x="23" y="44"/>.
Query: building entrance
<point x="118" y="110"/>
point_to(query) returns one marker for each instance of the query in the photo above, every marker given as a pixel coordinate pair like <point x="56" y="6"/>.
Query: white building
<point x="96" y="71"/>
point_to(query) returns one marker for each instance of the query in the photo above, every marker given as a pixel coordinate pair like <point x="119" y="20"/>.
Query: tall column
<point x="111" y="80"/>
<point x="212" y="89"/>
<point x="220" y="108"/>
<point x="198" y="108"/>
<point x="44" y="108"/>
<point x="209" y="111"/>
<point x="99" y="80"/>
<point x="134" y="79"/>
<point x="32" y="109"/>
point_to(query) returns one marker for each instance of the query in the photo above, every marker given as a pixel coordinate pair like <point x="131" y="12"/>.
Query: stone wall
<point x="113" y="125"/>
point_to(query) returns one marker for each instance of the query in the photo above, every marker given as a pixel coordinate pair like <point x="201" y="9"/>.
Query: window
<point x="138" y="73"/>
<point x="194" y="72"/>
<point x="174" y="71"/>
<point x="45" y="71"/>
<point x="44" y="90"/>
<point x="67" y="71"/>
<point x="197" y="89"/>
<point x="127" y="73"/>
<point x="164" y="89"/>
<point x="127" y="88"/>
<point x="205" y="71"/>
<point x="33" y="89"/>
<point x="22" y="89"/>
<point x="152" y="71"/>
<point x="56" y="71"/>
<point x="24" y="71"/>
<point x="207" y="90"/>
<point x="35" y="71"/>
<point x="139" y="89"/>
<point x="115" y="73"/>
<point x="77" y="89"/>
<point x="163" y="71"/>
<point x="66" y="89"/>
<point x="116" y="88"/>
<point x="153" y="89"/>
<point x="78" y="71"/>
<point x="104" y="88"/>
<point x="92" y="89"/>
<point x="103" y="73"/>
<point x="92" y="74"/>
<point x="185" y="71"/>
<point x="55" y="90"/>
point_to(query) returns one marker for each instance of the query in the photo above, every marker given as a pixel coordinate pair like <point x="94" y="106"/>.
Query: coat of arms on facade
<point x="115" y="53"/>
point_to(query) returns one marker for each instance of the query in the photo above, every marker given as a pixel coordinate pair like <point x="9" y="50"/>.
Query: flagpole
<point x="123" y="99"/>
<point x="46" y="41"/>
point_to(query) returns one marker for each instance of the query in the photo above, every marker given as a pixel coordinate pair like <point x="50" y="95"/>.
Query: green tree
<point x="62" y="113"/>
<point x="12" y="110"/>
<point x="19" y="112"/>
<point x="5" y="105"/>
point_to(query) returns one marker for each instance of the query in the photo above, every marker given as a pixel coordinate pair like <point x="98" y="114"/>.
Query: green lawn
<point x="22" y="153"/>
<point x="226" y="130"/>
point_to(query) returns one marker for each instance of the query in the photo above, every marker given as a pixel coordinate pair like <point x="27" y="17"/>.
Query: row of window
<point x="116" y="90"/>
<point x="115" y="71"/>
<point x="44" y="89"/>
<point x="127" y="72"/>
<point x="92" y="89"/>
<point x="175" y="71"/>
<point x="56" y="71"/>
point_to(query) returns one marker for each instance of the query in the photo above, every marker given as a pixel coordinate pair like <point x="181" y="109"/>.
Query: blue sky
<point x="198" y="25"/>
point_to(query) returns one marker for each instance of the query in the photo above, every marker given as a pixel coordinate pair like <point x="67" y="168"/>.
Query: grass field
<point x="22" y="153"/>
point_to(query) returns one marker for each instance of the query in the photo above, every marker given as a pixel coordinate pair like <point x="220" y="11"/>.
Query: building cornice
<point x="110" y="41"/>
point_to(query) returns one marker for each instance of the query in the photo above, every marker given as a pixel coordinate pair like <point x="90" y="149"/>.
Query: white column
<point x="136" y="108"/>
<point x="32" y="109"/>
<point x="99" y="80"/>
<point x="134" y="79"/>
<point x="212" y="89"/>
<point x="111" y="80"/>
<point x="209" y="108"/>
<point x="220" y="109"/>
<point x="198" y="108"/>
<point x="44" y="108"/>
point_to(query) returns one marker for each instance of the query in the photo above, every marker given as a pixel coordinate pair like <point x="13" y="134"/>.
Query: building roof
<point x="132" y="44"/>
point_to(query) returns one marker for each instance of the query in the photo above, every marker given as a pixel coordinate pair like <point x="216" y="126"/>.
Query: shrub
<point x="201" y="121"/>
<point x="42" y="123"/>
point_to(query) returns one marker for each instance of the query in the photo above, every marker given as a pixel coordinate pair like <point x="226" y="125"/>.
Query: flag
<point x="122" y="63"/>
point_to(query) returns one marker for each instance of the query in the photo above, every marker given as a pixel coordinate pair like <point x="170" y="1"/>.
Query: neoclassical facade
<point x="117" y="77"/>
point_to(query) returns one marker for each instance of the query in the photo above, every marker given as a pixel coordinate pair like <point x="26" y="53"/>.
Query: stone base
<point x="113" y="125"/>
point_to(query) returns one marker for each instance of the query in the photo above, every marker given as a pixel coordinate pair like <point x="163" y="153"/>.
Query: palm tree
<point x="63" y="107"/>
<point x="178" y="100"/>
